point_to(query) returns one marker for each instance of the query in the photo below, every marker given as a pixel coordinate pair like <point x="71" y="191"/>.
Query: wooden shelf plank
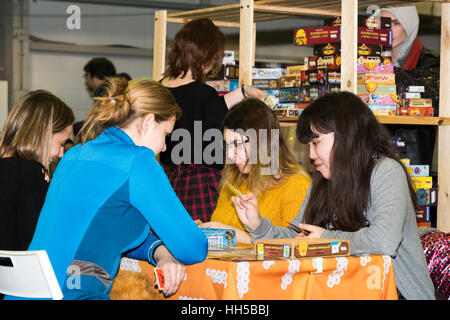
<point x="230" y="13"/>
<point x="410" y="120"/>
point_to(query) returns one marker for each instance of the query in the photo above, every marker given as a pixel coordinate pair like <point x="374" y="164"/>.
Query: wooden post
<point x="159" y="44"/>
<point x="443" y="210"/>
<point x="349" y="44"/>
<point x="246" y="42"/>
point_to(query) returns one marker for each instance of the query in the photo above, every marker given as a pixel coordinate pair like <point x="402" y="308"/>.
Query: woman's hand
<point x="247" y="210"/>
<point x="173" y="270"/>
<point x="314" y="231"/>
<point x="251" y="92"/>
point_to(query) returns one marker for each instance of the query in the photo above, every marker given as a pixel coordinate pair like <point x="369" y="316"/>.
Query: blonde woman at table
<point x="118" y="192"/>
<point x="280" y="184"/>
<point x="33" y="135"/>
<point x="360" y="191"/>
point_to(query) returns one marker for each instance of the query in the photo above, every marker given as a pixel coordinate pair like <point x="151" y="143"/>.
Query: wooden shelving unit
<point x="246" y="13"/>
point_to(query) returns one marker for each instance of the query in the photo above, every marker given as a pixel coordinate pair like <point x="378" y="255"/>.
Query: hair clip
<point x="112" y="99"/>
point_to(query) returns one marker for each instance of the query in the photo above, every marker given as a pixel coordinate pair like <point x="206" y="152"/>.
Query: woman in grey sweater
<point x="360" y="191"/>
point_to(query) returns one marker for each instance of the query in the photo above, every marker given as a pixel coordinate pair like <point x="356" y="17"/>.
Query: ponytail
<point x="126" y="101"/>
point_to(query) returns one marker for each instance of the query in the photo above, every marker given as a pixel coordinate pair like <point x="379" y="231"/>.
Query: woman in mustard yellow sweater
<point x="259" y="162"/>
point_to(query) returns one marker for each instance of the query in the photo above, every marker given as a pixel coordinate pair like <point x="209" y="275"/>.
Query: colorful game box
<point x="222" y="238"/>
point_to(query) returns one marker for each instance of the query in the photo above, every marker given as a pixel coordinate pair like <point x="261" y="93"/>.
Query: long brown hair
<point x="127" y="101"/>
<point x="30" y="125"/>
<point x="197" y="44"/>
<point x="359" y="140"/>
<point x="255" y="114"/>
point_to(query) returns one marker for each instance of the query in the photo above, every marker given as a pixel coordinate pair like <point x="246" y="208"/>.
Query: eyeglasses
<point x="236" y="145"/>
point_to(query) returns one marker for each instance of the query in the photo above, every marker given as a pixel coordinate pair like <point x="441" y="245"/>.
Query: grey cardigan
<point x="392" y="230"/>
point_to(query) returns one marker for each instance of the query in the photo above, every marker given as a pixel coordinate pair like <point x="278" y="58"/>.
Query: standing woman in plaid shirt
<point x="197" y="48"/>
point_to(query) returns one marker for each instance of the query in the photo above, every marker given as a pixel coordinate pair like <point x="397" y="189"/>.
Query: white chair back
<point x="28" y="274"/>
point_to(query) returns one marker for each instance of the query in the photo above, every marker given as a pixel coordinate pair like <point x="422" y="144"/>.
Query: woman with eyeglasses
<point x="197" y="48"/>
<point x="258" y="162"/>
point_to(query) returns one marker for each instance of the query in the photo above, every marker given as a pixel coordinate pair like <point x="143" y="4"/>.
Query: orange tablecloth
<point x="367" y="277"/>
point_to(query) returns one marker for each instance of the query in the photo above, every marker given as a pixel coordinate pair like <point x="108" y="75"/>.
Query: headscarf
<point x="409" y="19"/>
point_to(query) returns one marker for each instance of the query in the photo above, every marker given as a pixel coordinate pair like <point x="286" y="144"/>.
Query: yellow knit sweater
<point x="280" y="204"/>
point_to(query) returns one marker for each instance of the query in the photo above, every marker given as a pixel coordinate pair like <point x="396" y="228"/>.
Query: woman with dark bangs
<point x="360" y="191"/>
<point x="197" y="48"/>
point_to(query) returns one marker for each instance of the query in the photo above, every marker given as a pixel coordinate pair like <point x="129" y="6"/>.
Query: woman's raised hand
<point x="247" y="210"/>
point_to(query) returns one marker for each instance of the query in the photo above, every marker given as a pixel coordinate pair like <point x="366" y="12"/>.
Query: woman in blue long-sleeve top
<point x="109" y="191"/>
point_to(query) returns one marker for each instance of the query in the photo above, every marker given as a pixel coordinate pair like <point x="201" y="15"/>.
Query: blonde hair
<point x="127" y="101"/>
<point x="255" y="114"/>
<point x="30" y="124"/>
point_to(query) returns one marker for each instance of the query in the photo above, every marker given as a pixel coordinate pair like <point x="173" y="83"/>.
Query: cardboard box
<point x="227" y="72"/>
<point x="389" y="99"/>
<point x="301" y="248"/>
<point x="287" y="82"/>
<point x="334" y="76"/>
<point x="418" y="170"/>
<point x="381" y="37"/>
<point x="304" y="78"/>
<point x="294" y="112"/>
<point x="383" y="109"/>
<point x="411" y="95"/>
<point x="281" y="112"/>
<point x="422" y="182"/>
<point x="424" y="224"/>
<point x="332" y="34"/>
<point x="373" y="67"/>
<point x="423" y="214"/>
<point x="326" y="49"/>
<point x="266" y="84"/>
<point x="420" y="89"/>
<point x="427" y="197"/>
<point x="224" y="85"/>
<point x="372" y="88"/>
<point x="268" y="73"/>
<point x="288" y="95"/>
<point x="416" y="103"/>
<point x="332" y="62"/>
<point x="376" y="22"/>
<point x="334" y="87"/>
<point x="406" y="162"/>
<point x="311" y="62"/>
<point x="222" y="238"/>
<point x="304" y="94"/>
<point x="415" y="111"/>
<point x="295" y="70"/>
<point x="317" y="35"/>
<point x="369" y="49"/>
<point x="376" y="78"/>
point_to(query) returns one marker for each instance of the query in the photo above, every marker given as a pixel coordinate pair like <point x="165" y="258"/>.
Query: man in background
<point x="95" y="72"/>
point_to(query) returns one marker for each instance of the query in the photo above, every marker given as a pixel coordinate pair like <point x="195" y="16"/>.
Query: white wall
<point x="62" y="73"/>
<point x="3" y="102"/>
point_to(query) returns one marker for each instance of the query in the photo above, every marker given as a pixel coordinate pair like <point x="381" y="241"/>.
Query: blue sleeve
<point x="145" y="250"/>
<point x="152" y="194"/>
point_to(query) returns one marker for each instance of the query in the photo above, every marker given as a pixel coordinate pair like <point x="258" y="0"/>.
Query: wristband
<point x="243" y="91"/>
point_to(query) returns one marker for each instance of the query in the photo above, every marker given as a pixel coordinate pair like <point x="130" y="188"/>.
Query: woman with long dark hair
<point x="360" y="191"/>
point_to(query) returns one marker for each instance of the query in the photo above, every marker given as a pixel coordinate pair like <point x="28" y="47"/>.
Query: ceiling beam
<point x="142" y="4"/>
